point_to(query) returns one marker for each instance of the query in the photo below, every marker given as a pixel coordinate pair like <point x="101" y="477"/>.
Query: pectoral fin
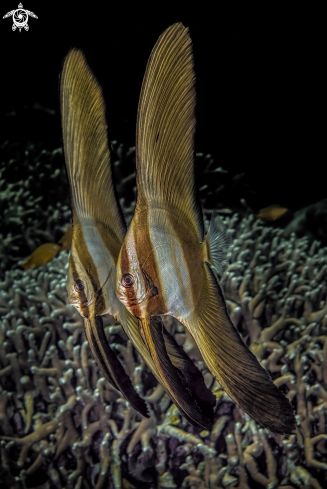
<point x="219" y="241"/>
<point x="110" y="365"/>
<point x="233" y="364"/>
<point x="173" y="379"/>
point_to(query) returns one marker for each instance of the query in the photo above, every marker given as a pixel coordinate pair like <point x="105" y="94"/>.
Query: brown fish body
<point x="98" y="226"/>
<point x="171" y="267"/>
<point x="151" y="255"/>
<point x="166" y="264"/>
<point x="98" y="233"/>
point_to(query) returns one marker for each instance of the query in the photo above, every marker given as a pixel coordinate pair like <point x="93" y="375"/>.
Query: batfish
<point x="167" y="264"/>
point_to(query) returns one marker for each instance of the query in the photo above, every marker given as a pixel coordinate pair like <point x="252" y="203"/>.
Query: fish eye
<point x="127" y="280"/>
<point x="79" y="285"/>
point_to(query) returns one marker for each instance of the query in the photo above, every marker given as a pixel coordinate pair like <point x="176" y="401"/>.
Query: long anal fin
<point x="233" y="364"/>
<point x="194" y="380"/>
<point x="173" y="379"/>
<point x="132" y="328"/>
<point x="110" y="365"/>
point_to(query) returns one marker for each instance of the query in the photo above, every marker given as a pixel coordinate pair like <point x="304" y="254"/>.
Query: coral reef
<point x="310" y="221"/>
<point x="63" y="426"/>
<point x="34" y="200"/>
<point x="34" y="192"/>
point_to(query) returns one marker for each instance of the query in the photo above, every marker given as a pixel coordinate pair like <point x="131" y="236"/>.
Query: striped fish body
<point x="98" y="227"/>
<point x="90" y="262"/>
<point x="165" y="257"/>
<point x="166" y="264"/>
<point x="98" y="233"/>
<point x="149" y="256"/>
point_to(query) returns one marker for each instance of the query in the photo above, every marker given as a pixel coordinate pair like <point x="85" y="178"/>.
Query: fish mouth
<point x="127" y="301"/>
<point x="77" y="302"/>
<point x="73" y="299"/>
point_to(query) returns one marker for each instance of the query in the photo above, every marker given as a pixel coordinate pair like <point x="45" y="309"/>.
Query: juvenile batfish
<point x="98" y="233"/>
<point x="167" y="265"/>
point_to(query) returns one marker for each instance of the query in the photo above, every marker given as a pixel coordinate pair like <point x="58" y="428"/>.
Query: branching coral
<point x="63" y="425"/>
<point x="61" y="422"/>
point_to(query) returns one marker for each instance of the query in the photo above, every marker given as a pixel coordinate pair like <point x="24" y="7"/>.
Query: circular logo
<point x="20" y="18"/>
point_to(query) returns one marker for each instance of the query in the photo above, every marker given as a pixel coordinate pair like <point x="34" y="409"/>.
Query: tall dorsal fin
<point x="87" y="154"/>
<point x="165" y="130"/>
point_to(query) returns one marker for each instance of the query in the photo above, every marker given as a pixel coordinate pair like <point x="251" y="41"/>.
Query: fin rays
<point x="234" y="365"/>
<point x="165" y="130"/>
<point x="85" y="142"/>
<point x="184" y="373"/>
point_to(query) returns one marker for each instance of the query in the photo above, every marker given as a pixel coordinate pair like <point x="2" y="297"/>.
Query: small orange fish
<point x="42" y="255"/>
<point x="271" y="213"/>
<point x="46" y="252"/>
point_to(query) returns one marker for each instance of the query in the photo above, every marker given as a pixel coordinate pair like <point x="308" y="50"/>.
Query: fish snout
<point x="132" y="297"/>
<point x="128" y="298"/>
<point x="125" y="296"/>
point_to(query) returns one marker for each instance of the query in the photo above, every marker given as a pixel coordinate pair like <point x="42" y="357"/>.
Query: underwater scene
<point x="163" y="271"/>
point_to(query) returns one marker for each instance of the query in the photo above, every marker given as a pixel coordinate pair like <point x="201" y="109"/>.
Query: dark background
<point x="260" y="79"/>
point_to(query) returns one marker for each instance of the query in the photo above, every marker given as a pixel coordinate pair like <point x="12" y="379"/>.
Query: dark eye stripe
<point x="127" y="280"/>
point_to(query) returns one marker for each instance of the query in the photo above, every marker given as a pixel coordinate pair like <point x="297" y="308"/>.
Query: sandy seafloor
<point x="63" y="426"/>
